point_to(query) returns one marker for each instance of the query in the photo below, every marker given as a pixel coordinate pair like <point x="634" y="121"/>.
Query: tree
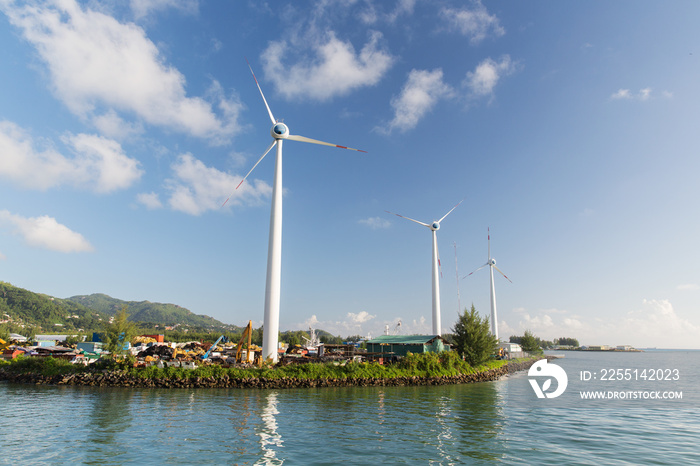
<point x="120" y="332"/>
<point x="293" y="340"/>
<point x="530" y="343"/>
<point x="473" y="338"/>
<point x="567" y="341"/>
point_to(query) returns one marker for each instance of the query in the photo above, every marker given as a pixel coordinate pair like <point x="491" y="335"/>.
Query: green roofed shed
<point x="402" y="344"/>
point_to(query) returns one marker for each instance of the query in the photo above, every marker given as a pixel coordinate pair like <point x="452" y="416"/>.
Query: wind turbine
<point x="279" y="133"/>
<point x="491" y="262"/>
<point x="434" y="227"/>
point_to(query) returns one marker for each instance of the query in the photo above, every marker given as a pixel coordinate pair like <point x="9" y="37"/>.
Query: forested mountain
<point x="20" y="307"/>
<point x="23" y="310"/>
<point x="146" y="311"/>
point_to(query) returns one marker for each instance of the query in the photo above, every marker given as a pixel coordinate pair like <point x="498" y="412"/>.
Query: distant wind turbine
<point x="491" y="262"/>
<point x="279" y="133"/>
<point x="434" y="227"/>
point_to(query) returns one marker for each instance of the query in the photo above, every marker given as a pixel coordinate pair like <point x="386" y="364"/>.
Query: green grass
<point x="44" y="366"/>
<point x="413" y="365"/>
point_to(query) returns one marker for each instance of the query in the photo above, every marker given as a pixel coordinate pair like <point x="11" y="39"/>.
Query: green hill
<point x="146" y="311"/>
<point x="21" y="309"/>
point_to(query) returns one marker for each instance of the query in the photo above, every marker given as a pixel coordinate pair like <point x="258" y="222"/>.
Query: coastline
<point x="118" y="378"/>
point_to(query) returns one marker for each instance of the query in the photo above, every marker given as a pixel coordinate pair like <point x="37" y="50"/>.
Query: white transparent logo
<point x="542" y="368"/>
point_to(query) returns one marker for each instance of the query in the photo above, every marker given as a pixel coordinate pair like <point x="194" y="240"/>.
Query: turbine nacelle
<point x="492" y="261"/>
<point x="280" y="131"/>
<point x="435" y="226"/>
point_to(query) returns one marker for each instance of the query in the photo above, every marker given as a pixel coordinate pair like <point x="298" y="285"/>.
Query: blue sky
<point x="570" y="129"/>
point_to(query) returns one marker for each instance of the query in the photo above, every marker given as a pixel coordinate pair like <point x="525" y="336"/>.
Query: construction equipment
<point x="3" y="345"/>
<point x="249" y="333"/>
<point x="211" y="348"/>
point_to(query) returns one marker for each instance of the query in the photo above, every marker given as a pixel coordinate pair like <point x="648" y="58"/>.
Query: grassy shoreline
<point x="415" y="369"/>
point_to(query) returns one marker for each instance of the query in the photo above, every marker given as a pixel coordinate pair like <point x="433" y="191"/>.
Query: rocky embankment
<point x="123" y="379"/>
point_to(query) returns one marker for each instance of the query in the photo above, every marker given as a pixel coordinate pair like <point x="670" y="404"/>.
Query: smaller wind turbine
<point x="491" y="262"/>
<point x="434" y="227"/>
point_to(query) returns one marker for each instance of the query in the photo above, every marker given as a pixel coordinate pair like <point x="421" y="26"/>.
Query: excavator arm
<point x="248" y="332"/>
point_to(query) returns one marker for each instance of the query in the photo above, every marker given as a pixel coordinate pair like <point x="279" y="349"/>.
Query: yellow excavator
<point x="3" y="345"/>
<point x="250" y="348"/>
<point x="247" y="332"/>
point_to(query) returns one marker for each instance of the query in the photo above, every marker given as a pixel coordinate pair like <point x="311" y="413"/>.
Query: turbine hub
<point x="279" y="131"/>
<point x="492" y="261"/>
<point x="435" y="226"/>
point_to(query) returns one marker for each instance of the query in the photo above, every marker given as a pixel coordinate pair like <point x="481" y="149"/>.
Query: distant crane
<point x="312" y="341"/>
<point x="395" y="331"/>
<point x="222" y="338"/>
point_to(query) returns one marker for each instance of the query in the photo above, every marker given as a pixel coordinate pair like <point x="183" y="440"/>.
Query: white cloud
<point x="311" y="322"/>
<point x="360" y="317"/>
<point x="483" y="80"/>
<point x="540" y="323"/>
<point x="654" y="324"/>
<point x="362" y="323"/>
<point x="196" y="188"/>
<point x="422" y="91"/>
<point x="99" y="164"/>
<point x="102" y="163"/>
<point x="622" y="94"/>
<point x="375" y="223"/>
<point x="335" y="70"/>
<point x="403" y="8"/>
<point x="46" y="233"/>
<point x="112" y="125"/>
<point x="94" y="62"/>
<point x="643" y="94"/>
<point x="474" y="23"/>
<point x="657" y="324"/>
<point x="420" y="327"/>
<point x="143" y="8"/>
<point x="150" y="200"/>
<point x="688" y="287"/>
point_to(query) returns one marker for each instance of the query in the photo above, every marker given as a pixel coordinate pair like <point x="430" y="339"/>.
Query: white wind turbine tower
<point x="279" y="133"/>
<point x="491" y="262"/>
<point x="434" y="227"/>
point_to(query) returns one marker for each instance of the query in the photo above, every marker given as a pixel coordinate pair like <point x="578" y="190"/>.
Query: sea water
<point x="493" y="422"/>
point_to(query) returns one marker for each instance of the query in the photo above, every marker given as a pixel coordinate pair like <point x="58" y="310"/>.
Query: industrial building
<point x="400" y="345"/>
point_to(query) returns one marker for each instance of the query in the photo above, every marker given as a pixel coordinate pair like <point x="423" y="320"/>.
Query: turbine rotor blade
<point x="251" y="170"/>
<point x="448" y="213"/>
<point x="416" y="221"/>
<point x="295" y="137"/>
<point x="475" y="270"/>
<point x="272" y="118"/>
<point x="499" y="271"/>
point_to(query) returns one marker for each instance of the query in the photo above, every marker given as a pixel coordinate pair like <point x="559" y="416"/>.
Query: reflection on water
<point x="109" y="416"/>
<point x="482" y="423"/>
<point x="270" y="439"/>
